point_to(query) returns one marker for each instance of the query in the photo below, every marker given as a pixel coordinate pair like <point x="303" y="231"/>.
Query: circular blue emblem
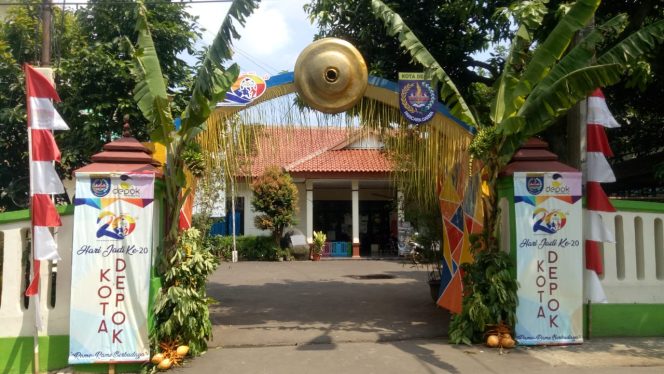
<point x="100" y="186"/>
<point x="416" y="100"/>
<point x="534" y="185"/>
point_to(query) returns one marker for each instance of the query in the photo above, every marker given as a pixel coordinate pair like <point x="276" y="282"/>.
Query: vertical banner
<point x="111" y="260"/>
<point x="549" y="254"/>
<point x="416" y="97"/>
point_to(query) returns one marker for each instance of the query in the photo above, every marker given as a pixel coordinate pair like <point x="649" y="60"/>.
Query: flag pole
<point x="35" y="341"/>
<point x="44" y="61"/>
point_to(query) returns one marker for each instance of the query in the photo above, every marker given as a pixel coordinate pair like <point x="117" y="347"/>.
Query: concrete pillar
<point x="356" y="217"/>
<point x="309" y="185"/>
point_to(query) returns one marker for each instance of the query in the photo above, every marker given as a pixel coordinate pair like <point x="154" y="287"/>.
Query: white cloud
<point x="266" y="32"/>
<point x="272" y="39"/>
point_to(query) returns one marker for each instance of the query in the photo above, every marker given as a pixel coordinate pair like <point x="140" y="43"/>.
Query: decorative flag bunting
<point x="44" y="180"/>
<point x="598" y="171"/>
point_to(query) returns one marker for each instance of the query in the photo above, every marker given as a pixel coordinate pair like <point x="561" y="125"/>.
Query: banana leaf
<point x="529" y="15"/>
<point x="634" y="46"/>
<point x="556" y="99"/>
<point x="582" y="54"/>
<point x="150" y="91"/>
<point x="551" y="50"/>
<point x="212" y="80"/>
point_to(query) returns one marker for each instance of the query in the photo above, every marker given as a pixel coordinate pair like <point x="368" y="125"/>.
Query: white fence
<point x="633" y="270"/>
<point x="15" y="318"/>
<point x="634" y="265"/>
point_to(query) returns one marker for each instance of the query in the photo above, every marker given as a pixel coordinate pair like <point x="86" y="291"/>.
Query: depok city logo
<point x="558" y="185"/>
<point x="534" y="184"/>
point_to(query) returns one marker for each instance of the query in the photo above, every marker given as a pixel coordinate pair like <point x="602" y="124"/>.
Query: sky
<point x="273" y="37"/>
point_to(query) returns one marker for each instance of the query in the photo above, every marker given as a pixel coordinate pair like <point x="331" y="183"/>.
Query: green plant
<point x="319" y="239"/>
<point x="275" y="196"/>
<point x="181" y="308"/>
<point x="540" y="82"/>
<point x="489" y="292"/>
<point x="181" y="311"/>
<point x="249" y="248"/>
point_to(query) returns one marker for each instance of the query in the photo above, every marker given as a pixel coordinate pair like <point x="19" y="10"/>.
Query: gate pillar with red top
<point x="126" y="157"/>
<point x="540" y="203"/>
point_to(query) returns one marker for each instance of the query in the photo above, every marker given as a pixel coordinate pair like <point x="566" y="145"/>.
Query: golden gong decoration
<point x="330" y="75"/>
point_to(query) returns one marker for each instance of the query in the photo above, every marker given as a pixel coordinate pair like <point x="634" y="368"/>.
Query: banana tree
<point x="540" y="82"/>
<point x="211" y="83"/>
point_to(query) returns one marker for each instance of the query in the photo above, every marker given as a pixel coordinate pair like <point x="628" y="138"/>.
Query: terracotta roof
<point x="346" y="160"/>
<point x="314" y="150"/>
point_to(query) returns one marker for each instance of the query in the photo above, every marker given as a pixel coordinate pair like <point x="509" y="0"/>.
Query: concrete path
<point x="289" y="303"/>
<point x="324" y="317"/>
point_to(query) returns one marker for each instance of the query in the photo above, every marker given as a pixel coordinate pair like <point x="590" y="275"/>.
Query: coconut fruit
<point x="182" y="350"/>
<point x="165" y="364"/>
<point x="507" y="342"/>
<point x="157" y="358"/>
<point x="492" y="341"/>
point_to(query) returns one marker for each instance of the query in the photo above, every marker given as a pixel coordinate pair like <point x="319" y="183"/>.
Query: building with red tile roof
<point x="344" y="182"/>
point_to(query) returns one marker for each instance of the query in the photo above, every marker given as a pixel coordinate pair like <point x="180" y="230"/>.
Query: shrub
<point x="181" y="308"/>
<point x="275" y="197"/>
<point x="489" y="292"/>
<point x="249" y="248"/>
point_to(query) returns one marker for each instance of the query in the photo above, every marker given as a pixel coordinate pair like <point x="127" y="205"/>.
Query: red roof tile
<point x="346" y="160"/>
<point x="314" y="150"/>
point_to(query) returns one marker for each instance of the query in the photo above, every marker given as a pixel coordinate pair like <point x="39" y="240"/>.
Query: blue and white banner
<point x="111" y="260"/>
<point x="549" y="250"/>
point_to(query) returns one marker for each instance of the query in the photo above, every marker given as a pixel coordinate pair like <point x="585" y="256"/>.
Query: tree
<point x="453" y="30"/>
<point x="275" y="195"/>
<point x="634" y="102"/>
<point x="92" y="73"/>
<point x="150" y="93"/>
<point x="540" y="81"/>
<point x="20" y="42"/>
<point x="95" y="83"/>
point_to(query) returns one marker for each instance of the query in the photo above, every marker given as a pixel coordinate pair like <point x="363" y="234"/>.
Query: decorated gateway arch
<point x="344" y="150"/>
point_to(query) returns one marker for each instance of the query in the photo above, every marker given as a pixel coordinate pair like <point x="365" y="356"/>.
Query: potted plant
<point x="317" y="245"/>
<point x="434" y="266"/>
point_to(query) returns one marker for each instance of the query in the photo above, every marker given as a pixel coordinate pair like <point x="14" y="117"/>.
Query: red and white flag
<point x="44" y="180"/>
<point x="598" y="171"/>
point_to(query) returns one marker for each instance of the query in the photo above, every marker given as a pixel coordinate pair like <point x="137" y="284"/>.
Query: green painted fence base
<point x="637" y="320"/>
<point x="16" y="356"/>
<point x="16" y="353"/>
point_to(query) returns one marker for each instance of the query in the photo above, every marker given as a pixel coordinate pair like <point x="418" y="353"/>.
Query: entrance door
<point x="374" y="227"/>
<point x="334" y="218"/>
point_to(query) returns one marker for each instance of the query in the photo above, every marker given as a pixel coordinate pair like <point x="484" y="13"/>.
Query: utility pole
<point x="576" y="118"/>
<point x="46" y="34"/>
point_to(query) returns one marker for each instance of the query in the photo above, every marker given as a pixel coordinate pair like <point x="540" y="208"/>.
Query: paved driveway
<point x="268" y="312"/>
<point x="295" y="303"/>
